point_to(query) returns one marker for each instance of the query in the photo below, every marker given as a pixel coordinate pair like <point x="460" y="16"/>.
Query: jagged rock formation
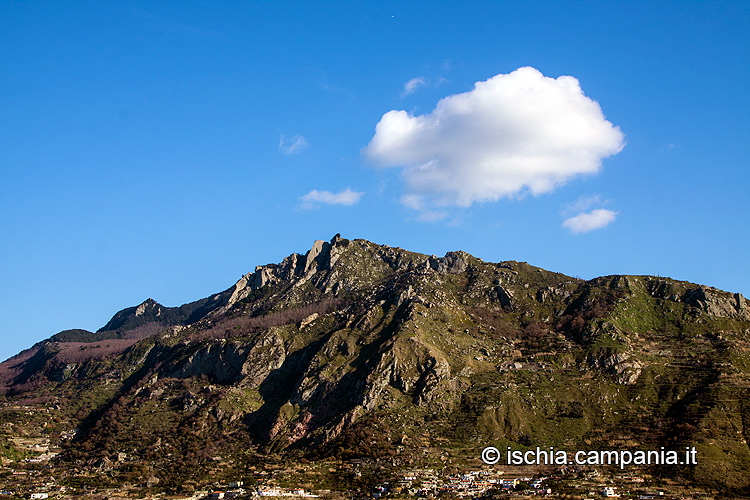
<point x="299" y="357"/>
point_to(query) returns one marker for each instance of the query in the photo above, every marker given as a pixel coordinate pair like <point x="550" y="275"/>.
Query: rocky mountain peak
<point x="148" y="305"/>
<point x="146" y="311"/>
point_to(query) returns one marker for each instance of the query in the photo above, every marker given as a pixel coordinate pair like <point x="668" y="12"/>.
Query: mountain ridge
<point x="191" y="312"/>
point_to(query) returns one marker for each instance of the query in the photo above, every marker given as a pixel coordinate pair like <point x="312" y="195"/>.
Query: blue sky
<point x="164" y="149"/>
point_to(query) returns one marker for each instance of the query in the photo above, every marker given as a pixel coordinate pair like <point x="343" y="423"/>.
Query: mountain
<point x="362" y="350"/>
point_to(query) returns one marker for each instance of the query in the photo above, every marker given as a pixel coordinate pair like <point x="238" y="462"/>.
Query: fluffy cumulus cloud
<point x="315" y="198"/>
<point x="291" y="145"/>
<point x="588" y="221"/>
<point x="511" y="135"/>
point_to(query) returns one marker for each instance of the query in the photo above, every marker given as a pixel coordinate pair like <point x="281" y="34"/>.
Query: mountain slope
<point x="357" y="349"/>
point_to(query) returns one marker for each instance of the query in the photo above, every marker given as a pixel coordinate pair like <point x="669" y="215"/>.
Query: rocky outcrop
<point x="548" y="292"/>
<point x="318" y="257"/>
<point x="413" y="368"/>
<point x="452" y="263"/>
<point x="663" y="289"/>
<point x="718" y="303"/>
<point x="505" y="297"/>
<point x="227" y="362"/>
<point x="295" y="269"/>
<point x="624" y="366"/>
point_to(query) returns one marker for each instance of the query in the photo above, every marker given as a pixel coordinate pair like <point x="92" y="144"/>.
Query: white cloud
<point x="314" y="198"/>
<point x="511" y="135"/>
<point x="291" y="145"/>
<point x="582" y="204"/>
<point x="412" y="85"/>
<point x="425" y="214"/>
<point x="588" y="221"/>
